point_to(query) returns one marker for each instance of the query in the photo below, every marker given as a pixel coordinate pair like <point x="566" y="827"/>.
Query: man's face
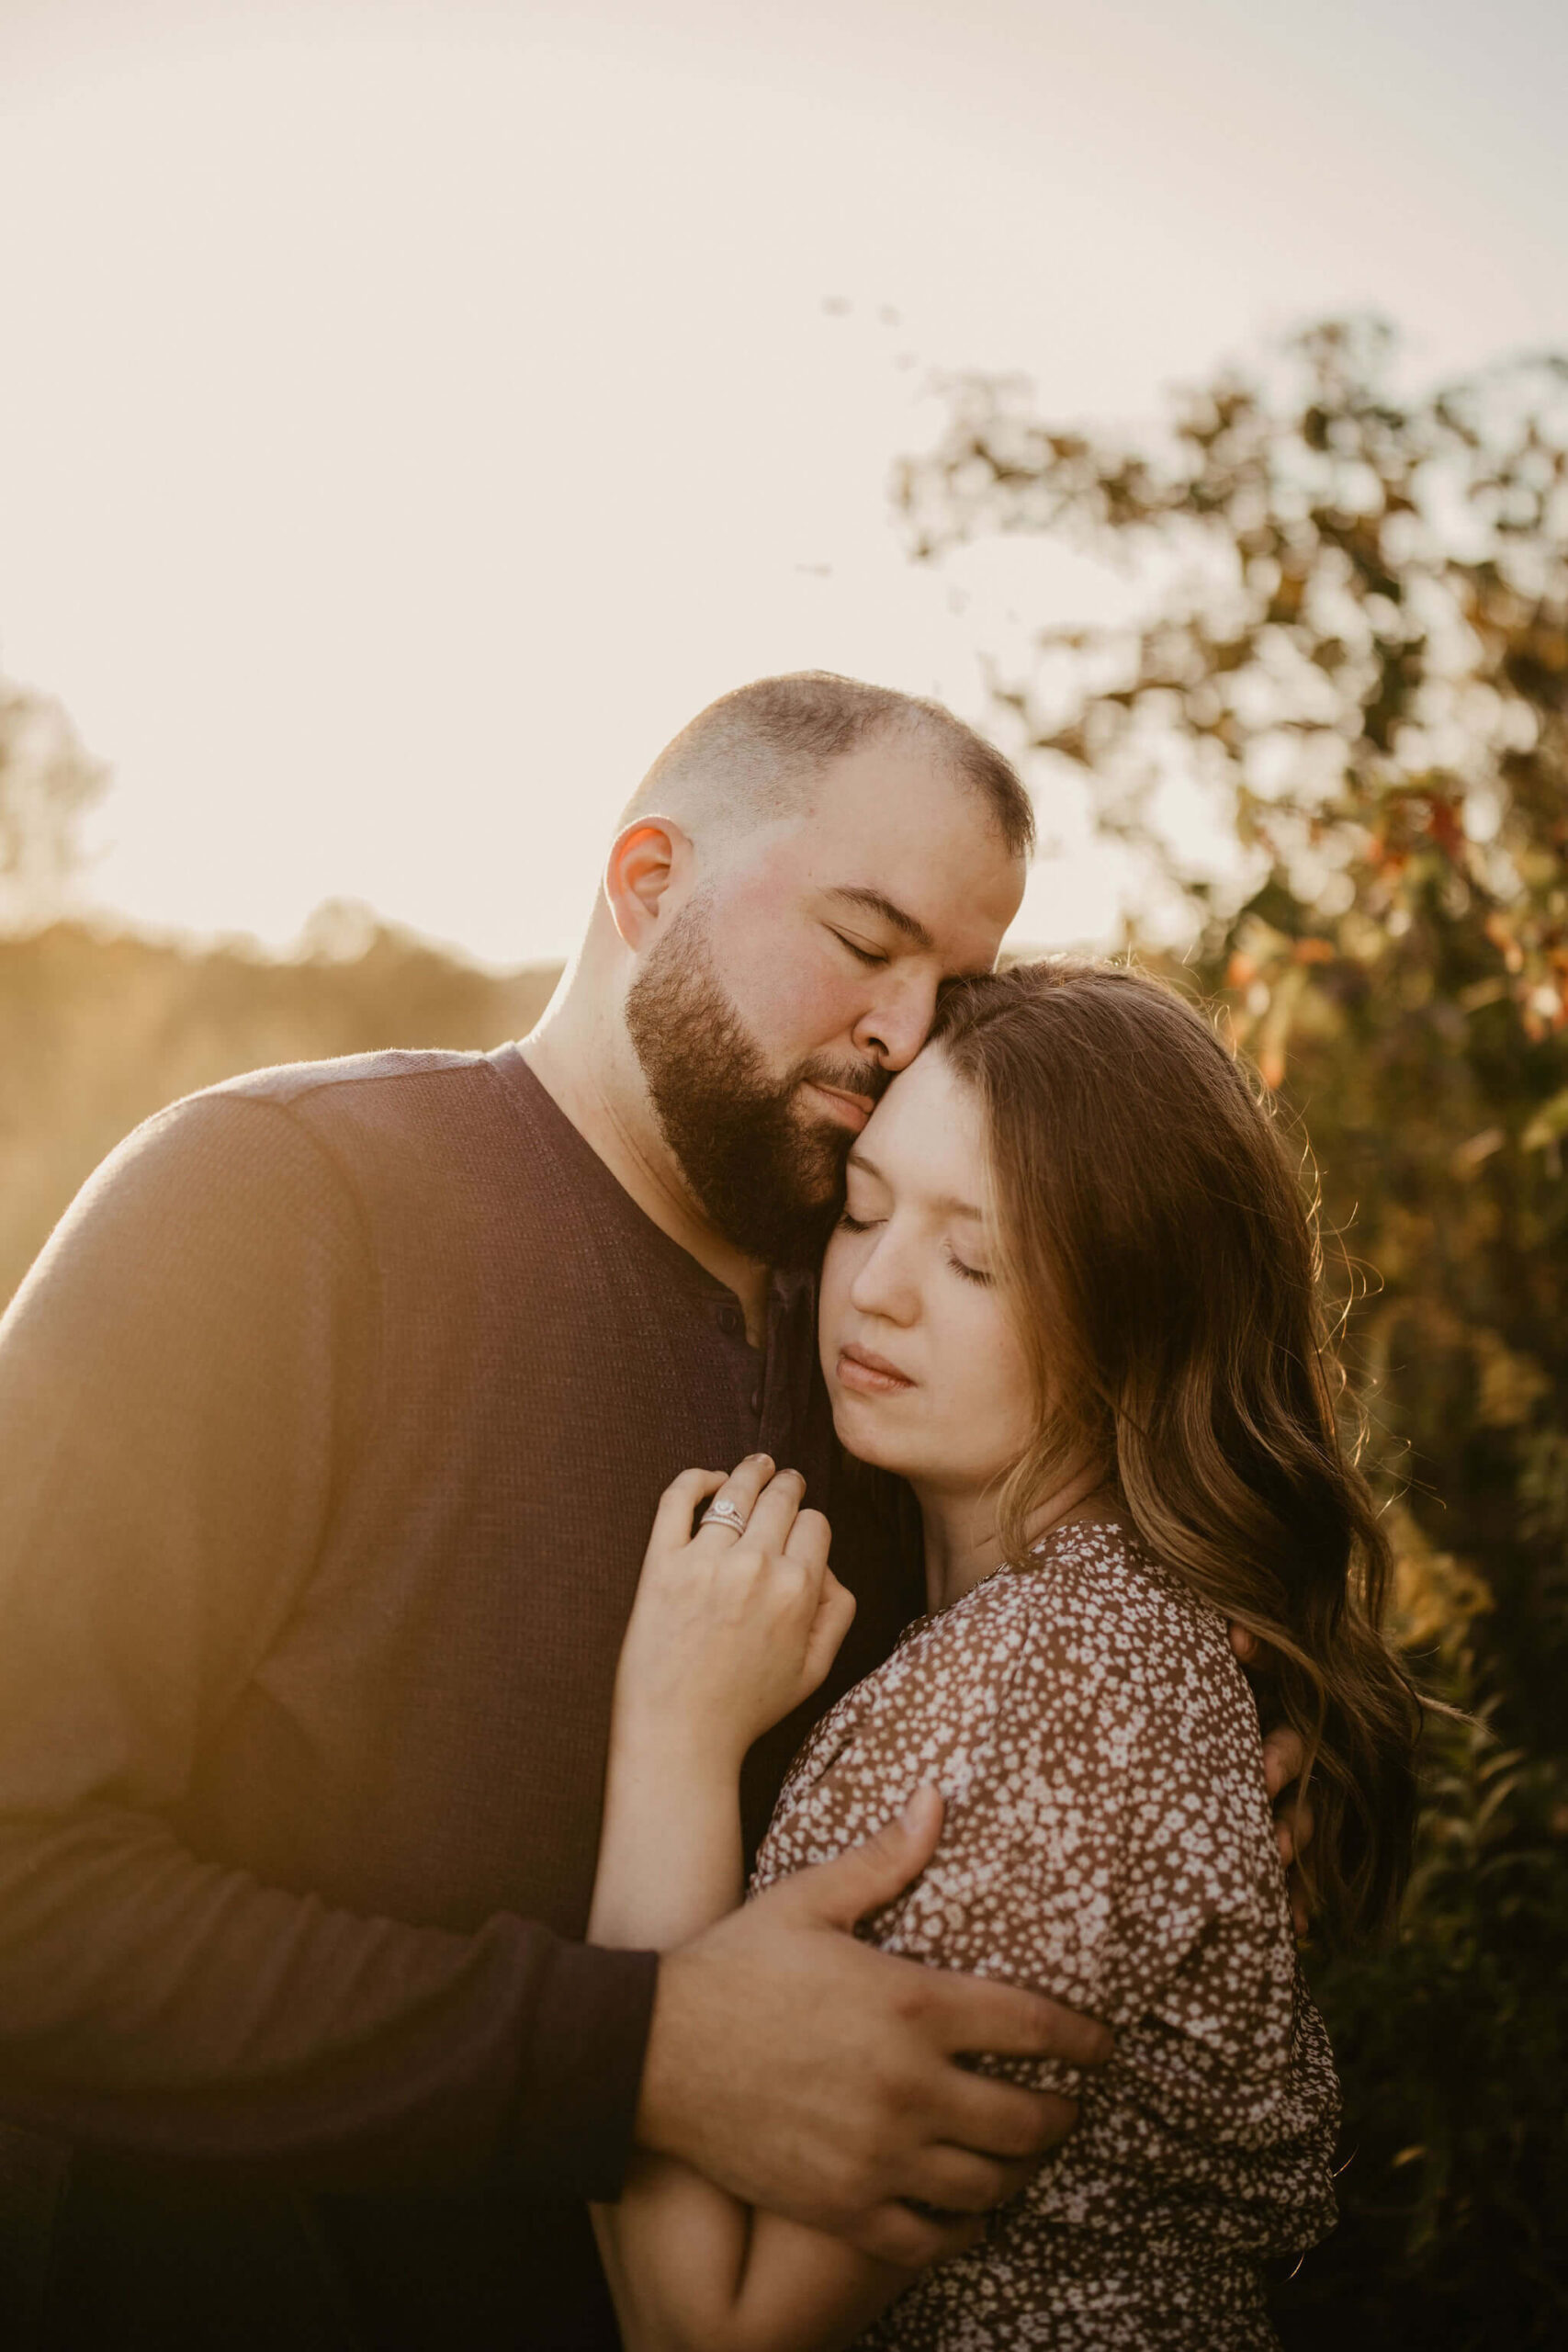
<point x="771" y="1016"/>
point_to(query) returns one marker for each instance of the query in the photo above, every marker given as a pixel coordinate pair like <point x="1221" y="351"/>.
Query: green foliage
<point x="1453" y="2046"/>
<point x="1362" y="657"/>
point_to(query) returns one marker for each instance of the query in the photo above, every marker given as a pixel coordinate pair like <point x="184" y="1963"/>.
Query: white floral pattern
<point x="1107" y="1840"/>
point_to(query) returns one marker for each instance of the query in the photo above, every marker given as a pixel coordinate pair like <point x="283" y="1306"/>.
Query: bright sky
<point x="410" y="415"/>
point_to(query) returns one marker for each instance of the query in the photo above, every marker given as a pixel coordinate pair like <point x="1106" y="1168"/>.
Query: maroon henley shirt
<point x="332" y="1419"/>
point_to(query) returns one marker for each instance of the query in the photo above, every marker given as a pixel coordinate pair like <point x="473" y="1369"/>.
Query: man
<point x="332" y="1421"/>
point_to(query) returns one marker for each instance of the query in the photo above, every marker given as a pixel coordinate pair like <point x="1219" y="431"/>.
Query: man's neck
<point x="617" y="1125"/>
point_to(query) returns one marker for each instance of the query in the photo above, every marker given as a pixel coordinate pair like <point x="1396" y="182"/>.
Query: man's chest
<point x="426" y="1734"/>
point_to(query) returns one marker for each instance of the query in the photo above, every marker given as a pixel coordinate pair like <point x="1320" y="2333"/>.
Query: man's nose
<point x="892" y="1031"/>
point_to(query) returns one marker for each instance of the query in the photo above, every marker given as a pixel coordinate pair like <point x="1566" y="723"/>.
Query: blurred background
<point x="411" y="415"/>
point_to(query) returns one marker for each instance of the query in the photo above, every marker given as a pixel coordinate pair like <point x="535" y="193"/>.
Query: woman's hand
<point x="729" y="1631"/>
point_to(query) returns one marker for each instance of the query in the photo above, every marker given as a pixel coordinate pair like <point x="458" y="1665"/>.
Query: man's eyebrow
<point x="873" y="902"/>
<point x="949" y="1202"/>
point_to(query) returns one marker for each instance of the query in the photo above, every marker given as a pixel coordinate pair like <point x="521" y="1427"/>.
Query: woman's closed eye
<point x="848" y="1222"/>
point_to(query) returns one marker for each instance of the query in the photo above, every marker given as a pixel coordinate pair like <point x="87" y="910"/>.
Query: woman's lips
<point x="870" y="1374"/>
<point x="852" y="1110"/>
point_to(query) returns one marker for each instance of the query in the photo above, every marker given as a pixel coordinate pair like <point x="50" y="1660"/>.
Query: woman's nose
<point x="883" y="1284"/>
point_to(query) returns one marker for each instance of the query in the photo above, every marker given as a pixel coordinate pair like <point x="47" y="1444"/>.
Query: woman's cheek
<point x="1001" y="1377"/>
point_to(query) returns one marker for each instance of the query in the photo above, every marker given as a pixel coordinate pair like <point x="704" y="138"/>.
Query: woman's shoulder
<point x="1090" y="1639"/>
<point x="1089" y="1578"/>
<point x="1087" y="1676"/>
<point x="1092" y="1618"/>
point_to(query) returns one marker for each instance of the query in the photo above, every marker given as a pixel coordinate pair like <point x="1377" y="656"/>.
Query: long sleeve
<point x="184" y="1380"/>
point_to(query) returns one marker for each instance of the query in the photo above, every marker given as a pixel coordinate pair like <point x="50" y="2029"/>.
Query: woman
<point x="1074" y="1301"/>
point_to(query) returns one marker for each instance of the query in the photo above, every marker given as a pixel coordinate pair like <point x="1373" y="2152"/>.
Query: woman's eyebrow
<point x="873" y="902"/>
<point x="947" y="1203"/>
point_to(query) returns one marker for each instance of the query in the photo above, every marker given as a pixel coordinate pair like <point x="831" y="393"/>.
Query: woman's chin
<point x="864" y="1432"/>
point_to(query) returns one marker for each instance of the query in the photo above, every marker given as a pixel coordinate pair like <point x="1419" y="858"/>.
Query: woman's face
<point x="923" y="1365"/>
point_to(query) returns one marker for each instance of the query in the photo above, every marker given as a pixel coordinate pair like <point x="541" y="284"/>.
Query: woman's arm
<point x="729" y="1634"/>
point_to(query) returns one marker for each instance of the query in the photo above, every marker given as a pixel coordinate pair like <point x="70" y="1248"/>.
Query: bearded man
<point x="332" y="1421"/>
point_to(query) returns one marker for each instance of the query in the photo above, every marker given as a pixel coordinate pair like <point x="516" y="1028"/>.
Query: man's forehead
<point x="933" y="884"/>
<point x="897" y="842"/>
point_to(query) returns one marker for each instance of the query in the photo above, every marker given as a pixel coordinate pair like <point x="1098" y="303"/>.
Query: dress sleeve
<point x="1106" y="1839"/>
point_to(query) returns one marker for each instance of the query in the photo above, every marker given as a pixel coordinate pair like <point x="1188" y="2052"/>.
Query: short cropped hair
<point x="762" y="743"/>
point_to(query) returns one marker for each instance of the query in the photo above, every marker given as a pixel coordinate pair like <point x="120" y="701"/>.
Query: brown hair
<point x="1167" y="1272"/>
<point x="764" y="739"/>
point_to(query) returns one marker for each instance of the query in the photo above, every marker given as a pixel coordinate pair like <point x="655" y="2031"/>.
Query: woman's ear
<point x="644" y="859"/>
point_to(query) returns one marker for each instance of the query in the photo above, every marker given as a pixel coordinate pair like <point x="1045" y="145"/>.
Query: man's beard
<point x="770" y="1179"/>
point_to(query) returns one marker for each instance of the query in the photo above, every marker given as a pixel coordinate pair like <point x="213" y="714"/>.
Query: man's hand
<point x="810" y="2074"/>
<point x="1283" y="1759"/>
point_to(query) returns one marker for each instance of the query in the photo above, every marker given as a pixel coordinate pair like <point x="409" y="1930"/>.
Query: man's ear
<point x="645" y="858"/>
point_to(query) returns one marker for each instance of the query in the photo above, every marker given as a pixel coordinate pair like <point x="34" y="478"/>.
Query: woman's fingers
<point x="681" y="1498"/>
<point x="1284" y="1754"/>
<point x="1293" y="1829"/>
<point x="806" y="1551"/>
<point x="1245" y="1645"/>
<point x="738" y="1493"/>
<point x="835" y="1614"/>
<point x="809" y="1540"/>
<point x="776" y="1510"/>
<point x="1301" y="1909"/>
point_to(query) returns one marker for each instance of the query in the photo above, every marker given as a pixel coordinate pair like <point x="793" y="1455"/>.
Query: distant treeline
<point x="98" y="1030"/>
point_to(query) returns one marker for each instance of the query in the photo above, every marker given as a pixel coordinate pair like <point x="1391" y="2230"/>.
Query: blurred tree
<point x="46" y="782"/>
<point x="1359" y="654"/>
<point x="99" y="1030"/>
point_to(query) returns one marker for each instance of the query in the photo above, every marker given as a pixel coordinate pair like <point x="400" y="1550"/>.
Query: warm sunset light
<point x="783" y="1255"/>
<point x="411" y="414"/>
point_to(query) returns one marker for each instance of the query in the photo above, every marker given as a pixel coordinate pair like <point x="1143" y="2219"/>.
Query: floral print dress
<point x="1107" y="1840"/>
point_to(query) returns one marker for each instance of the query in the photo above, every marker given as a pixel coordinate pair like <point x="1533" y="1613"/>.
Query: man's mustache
<point x="849" y="1078"/>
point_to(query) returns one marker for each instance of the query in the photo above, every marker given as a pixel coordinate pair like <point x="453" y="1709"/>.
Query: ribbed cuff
<point x="570" y="2132"/>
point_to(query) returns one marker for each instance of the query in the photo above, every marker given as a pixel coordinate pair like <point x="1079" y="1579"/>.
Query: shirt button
<point x="756" y="1400"/>
<point x="730" y="1320"/>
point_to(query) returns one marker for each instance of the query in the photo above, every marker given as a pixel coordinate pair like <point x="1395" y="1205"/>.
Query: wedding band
<point x="727" y="1514"/>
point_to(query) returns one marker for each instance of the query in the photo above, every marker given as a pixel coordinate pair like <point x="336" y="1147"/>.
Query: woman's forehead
<point x="927" y="1137"/>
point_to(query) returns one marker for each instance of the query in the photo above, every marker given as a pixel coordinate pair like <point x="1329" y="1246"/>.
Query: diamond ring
<point x="726" y="1514"/>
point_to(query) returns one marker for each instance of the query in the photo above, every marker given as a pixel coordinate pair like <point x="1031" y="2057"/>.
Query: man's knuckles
<point x="917" y="1998"/>
<point x="861" y="2169"/>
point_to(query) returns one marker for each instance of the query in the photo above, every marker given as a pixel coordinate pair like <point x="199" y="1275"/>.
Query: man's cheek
<point x="793" y="1008"/>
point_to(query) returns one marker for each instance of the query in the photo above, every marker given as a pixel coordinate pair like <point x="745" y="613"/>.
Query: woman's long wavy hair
<point x="1166" y="1273"/>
